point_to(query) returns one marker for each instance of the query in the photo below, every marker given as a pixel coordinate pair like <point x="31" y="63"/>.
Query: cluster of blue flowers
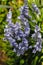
<point x="36" y="9"/>
<point x="38" y="39"/>
<point x="14" y="33"/>
<point x="17" y="36"/>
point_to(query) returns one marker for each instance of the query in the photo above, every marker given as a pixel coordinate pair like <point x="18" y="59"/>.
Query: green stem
<point x="5" y="6"/>
<point x="40" y="2"/>
<point x="41" y="6"/>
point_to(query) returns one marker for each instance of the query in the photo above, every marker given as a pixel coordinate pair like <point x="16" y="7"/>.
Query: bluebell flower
<point x="25" y="12"/>
<point x="27" y="31"/>
<point x="34" y="51"/>
<point x="38" y="46"/>
<point x="30" y="47"/>
<point x="35" y="8"/>
<point x="17" y="37"/>
<point x="39" y="35"/>
<point x="37" y="28"/>
<point x="25" y="40"/>
<point x="21" y="33"/>
<point x="9" y="16"/>
<point x="36" y="35"/>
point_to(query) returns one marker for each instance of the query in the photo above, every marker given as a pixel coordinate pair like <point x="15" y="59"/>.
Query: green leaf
<point x="21" y="61"/>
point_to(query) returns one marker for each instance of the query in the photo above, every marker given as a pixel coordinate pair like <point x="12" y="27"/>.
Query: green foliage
<point x="21" y="61"/>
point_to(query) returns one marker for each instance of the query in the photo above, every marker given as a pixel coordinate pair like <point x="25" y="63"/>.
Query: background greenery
<point x="7" y="56"/>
